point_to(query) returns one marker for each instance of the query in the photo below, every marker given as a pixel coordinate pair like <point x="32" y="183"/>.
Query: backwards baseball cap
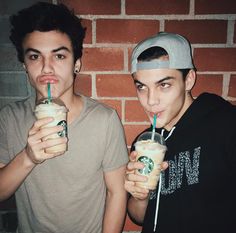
<point x="177" y="47"/>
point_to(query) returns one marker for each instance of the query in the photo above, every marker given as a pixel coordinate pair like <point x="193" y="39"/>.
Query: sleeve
<point x="116" y="153"/>
<point x="230" y="141"/>
<point x="232" y="152"/>
<point x="4" y="153"/>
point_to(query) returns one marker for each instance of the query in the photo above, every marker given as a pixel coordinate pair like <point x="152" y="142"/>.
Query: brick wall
<point x="113" y="29"/>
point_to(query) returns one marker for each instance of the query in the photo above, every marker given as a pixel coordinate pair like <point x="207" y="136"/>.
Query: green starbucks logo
<point x="149" y="165"/>
<point x="63" y="133"/>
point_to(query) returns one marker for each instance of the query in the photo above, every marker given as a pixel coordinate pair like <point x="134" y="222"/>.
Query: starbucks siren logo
<point x="149" y="165"/>
<point x="63" y="133"/>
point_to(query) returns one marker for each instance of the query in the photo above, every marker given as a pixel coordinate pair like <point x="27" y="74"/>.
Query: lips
<point x="48" y="79"/>
<point x="151" y="114"/>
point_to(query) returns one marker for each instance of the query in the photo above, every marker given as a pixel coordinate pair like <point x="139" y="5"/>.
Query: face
<point x="165" y="93"/>
<point x="48" y="58"/>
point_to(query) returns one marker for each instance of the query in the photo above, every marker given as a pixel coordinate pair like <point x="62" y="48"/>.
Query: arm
<point x="116" y="200"/>
<point x="138" y="201"/>
<point x="14" y="173"/>
<point x="137" y="209"/>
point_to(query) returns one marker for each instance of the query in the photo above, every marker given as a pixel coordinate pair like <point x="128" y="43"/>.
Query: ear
<point x="24" y="67"/>
<point x="77" y="66"/>
<point x="190" y="80"/>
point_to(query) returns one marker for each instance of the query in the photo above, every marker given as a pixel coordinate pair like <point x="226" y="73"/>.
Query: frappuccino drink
<point x="151" y="153"/>
<point x="54" y="108"/>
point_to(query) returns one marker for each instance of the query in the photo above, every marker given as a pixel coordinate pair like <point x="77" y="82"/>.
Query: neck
<point x="74" y="105"/>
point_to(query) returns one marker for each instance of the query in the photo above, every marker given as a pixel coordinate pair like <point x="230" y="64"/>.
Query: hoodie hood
<point x="201" y="107"/>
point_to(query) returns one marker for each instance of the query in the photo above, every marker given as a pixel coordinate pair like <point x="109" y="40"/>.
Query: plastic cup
<point x="53" y="108"/>
<point x="151" y="153"/>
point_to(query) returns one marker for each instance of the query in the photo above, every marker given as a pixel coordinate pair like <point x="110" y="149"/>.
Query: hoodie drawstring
<point x="160" y="183"/>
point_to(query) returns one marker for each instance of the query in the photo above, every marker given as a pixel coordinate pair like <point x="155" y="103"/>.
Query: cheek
<point x="142" y="98"/>
<point x="67" y="71"/>
<point x="175" y="104"/>
<point x="31" y="80"/>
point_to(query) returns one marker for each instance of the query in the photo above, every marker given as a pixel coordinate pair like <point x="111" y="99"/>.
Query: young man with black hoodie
<point x="197" y="192"/>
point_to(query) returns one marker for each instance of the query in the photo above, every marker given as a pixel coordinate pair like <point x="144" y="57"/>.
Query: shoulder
<point x="214" y="105"/>
<point x="217" y="111"/>
<point x="18" y="106"/>
<point x="95" y="106"/>
<point x="18" y="109"/>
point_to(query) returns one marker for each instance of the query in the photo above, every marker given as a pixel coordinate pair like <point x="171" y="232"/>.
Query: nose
<point x="153" y="98"/>
<point x="47" y="67"/>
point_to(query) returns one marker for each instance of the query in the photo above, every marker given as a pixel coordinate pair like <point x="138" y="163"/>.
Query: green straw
<point x="49" y="93"/>
<point x="154" y="126"/>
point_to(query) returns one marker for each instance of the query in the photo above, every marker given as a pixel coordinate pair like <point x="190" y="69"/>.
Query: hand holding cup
<point x="151" y="148"/>
<point x="36" y="146"/>
<point x="53" y="108"/>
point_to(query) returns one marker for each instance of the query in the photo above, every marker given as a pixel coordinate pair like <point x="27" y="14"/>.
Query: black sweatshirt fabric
<point x="198" y="191"/>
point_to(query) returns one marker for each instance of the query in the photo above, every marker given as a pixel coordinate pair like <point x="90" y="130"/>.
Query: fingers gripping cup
<point x="151" y="151"/>
<point x="53" y="108"/>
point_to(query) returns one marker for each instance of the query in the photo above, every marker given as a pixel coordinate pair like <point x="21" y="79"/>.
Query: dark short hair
<point x="155" y="53"/>
<point x="45" y="17"/>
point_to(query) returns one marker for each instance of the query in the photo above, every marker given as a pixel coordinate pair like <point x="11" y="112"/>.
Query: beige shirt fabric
<point x="65" y="194"/>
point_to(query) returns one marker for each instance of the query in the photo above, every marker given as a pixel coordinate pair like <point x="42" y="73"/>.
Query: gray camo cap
<point x="177" y="47"/>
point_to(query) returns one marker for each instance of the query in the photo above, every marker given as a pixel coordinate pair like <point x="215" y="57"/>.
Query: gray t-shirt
<point x="65" y="194"/>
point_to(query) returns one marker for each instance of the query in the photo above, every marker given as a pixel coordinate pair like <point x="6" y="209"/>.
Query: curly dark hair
<point x="46" y="17"/>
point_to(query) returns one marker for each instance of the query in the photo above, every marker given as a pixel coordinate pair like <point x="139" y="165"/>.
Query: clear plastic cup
<point x="151" y="153"/>
<point x="53" y="108"/>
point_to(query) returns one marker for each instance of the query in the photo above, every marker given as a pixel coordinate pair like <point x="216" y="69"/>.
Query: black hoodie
<point x="198" y="191"/>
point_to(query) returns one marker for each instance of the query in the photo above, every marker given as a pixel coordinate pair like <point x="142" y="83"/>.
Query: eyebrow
<point x="54" y="50"/>
<point x="158" y="82"/>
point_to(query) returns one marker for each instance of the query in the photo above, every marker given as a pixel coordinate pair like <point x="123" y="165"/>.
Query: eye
<point x="139" y="86"/>
<point x="165" y="85"/>
<point x="60" y="56"/>
<point x="34" y="57"/>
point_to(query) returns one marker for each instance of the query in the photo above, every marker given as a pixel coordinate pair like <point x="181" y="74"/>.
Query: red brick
<point x="130" y="226"/>
<point x="215" y="59"/>
<point x="134" y="112"/>
<point x="88" y="36"/>
<point x="129" y="58"/>
<point x="132" y="131"/>
<point x="208" y="83"/>
<point x="232" y="86"/>
<point x="215" y="7"/>
<point x="102" y="59"/>
<point x="125" y="31"/>
<point x="94" y="7"/>
<point x="234" y="32"/>
<point x="199" y="31"/>
<point x="116" y="104"/>
<point x="119" y="85"/>
<point x="160" y="7"/>
<point x="83" y="84"/>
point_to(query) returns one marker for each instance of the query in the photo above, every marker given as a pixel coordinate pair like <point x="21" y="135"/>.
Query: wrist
<point x="28" y="160"/>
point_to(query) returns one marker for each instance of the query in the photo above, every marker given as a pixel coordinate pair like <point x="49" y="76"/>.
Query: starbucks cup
<point x="151" y="152"/>
<point x="53" y="108"/>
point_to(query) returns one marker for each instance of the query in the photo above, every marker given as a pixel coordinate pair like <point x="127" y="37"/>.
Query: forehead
<point x="155" y="75"/>
<point x="44" y="41"/>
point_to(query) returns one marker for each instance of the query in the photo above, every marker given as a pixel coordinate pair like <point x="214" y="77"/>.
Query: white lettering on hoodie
<point x="183" y="165"/>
